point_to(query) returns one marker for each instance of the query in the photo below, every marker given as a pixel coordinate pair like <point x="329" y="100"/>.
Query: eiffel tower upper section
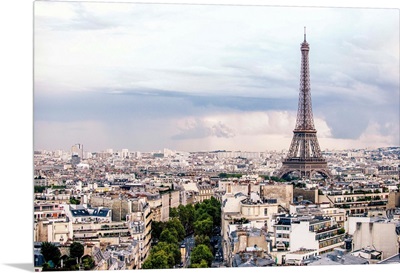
<point x="305" y="121"/>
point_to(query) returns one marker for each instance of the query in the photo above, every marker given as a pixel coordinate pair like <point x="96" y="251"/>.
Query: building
<point x="357" y="204"/>
<point x="52" y="230"/>
<point x="281" y="192"/>
<point x="206" y="191"/>
<point x="245" y="209"/>
<point x="84" y="214"/>
<point x="307" y="232"/>
<point x="383" y="235"/>
<point x="126" y="253"/>
<point x="338" y="257"/>
<point x="302" y="256"/>
<point x="247" y="246"/>
<point x="48" y="210"/>
<point x="140" y="227"/>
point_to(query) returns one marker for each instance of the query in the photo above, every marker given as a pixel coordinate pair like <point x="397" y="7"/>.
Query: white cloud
<point x="255" y="130"/>
<point x="375" y="135"/>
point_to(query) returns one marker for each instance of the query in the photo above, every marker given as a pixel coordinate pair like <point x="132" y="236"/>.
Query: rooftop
<point x="395" y="259"/>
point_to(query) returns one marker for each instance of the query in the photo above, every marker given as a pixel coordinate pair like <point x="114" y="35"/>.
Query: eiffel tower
<point x="304" y="156"/>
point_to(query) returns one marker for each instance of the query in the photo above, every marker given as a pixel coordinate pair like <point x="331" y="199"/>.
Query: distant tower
<point x="76" y="153"/>
<point x="304" y="155"/>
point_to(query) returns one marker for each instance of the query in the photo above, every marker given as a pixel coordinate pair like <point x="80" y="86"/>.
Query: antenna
<point x="304" y="34"/>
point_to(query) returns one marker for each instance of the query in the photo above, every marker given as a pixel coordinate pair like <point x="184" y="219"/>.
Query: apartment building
<point x="48" y="210"/>
<point x="101" y="233"/>
<point x="242" y="209"/>
<point x="245" y="238"/>
<point x="358" y="203"/>
<point x="381" y="234"/>
<point x="139" y="222"/>
<point x="307" y="232"/>
<point x="206" y="191"/>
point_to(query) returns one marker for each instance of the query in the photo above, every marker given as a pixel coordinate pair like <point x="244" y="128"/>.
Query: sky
<point x="211" y="77"/>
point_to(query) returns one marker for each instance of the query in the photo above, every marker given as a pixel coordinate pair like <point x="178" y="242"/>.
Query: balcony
<point x="326" y="229"/>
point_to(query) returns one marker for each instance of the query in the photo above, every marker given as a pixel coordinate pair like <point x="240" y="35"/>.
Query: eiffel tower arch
<point x="304" y="156"/>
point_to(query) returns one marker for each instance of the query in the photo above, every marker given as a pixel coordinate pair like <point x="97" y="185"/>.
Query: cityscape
<point x="248" y="181"/>
<point x="114" y="202"/>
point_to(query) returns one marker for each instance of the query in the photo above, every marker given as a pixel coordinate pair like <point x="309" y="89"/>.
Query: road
<point x="189" y="244"/>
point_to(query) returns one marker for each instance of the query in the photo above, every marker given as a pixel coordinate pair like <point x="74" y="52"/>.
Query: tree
<point x="74" y="201"/>
<point x="50" y="253"/>
<point x="169" y="236"/>
<point x="201" y="214"/>
<point x="71" y="264"/>
<point x="157" y="260"/>
<point x="156" y="229"/>
<point x="172" y="250"/>
<point x="46" y="267"/>
<point x="202" y="264"/>
<point x="175" y="224"/>
<point x="202" y="240"/>
<point x="88" y="262"/>
<point x="76" y="250"/>
<point x="203" y="227"/>
<point x="39" y="189"/>
<point x="190" y="220"/>
<point x="185" y="215"/>
<point x="173" y="212"/>
<point x="199" y="253"/>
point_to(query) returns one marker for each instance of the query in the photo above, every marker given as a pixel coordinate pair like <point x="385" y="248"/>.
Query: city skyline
<point x="210" y="77"/>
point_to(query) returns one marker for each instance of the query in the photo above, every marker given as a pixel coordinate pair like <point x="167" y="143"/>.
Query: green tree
<point x="50" y="253"/>
<point x="156" y="229"/>
<point x="185" y="214"/>
<point x="71" y="264"/>
<point x="171" y="249"/>
<point x="169" y="236"/>
<point x="46" y="267"/>
<point x="203" y="227"/>
<point x="74" y="201"/>
<point x="76" y="250"/>
<point x="199" y="253"/>
<point x="203" y="240"/>
<point x="157" y="260"/>
<point x="200" y="213"/>
<point x="202" y="264"/>
<point x="88" y="262"/>
<point x="173" y="212"/>
<point x="189" y="209"/>
<point x="175" y="224"/>
<point x="39" y="189"/>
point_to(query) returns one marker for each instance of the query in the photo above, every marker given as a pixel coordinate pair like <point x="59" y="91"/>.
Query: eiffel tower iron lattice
<point x="304" y="156"/>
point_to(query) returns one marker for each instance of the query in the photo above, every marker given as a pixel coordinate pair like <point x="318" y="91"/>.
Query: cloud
<point x="194" y="128"/>
<point x="233" y="124"/>
<point x="377" y="134"/>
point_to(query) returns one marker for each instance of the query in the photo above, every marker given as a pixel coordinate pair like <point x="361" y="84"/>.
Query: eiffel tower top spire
<point x="305" y="120"/>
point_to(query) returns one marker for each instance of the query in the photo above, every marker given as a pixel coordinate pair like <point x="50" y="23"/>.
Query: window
<point x="265" y="211"/>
